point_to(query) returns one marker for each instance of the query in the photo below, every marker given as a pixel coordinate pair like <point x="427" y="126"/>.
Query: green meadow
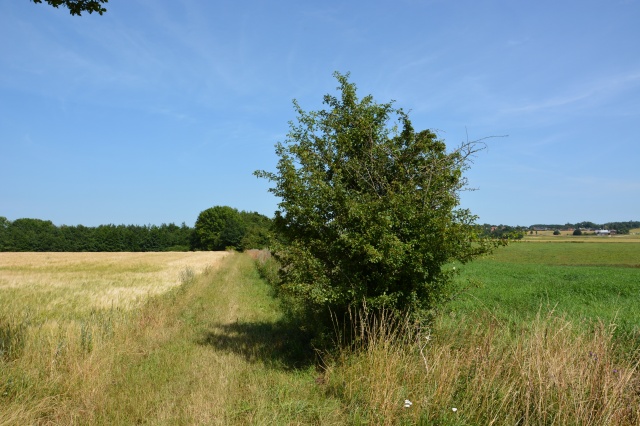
<point x="586" y="281"/>
<point x="544" y="333"/>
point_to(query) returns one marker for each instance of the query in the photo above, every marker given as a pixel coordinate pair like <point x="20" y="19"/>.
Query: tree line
<point x="248" y="230"/>
<point x="620" y="227"/>
<point x="518" y="232"/>
<point x="502" y="231"/>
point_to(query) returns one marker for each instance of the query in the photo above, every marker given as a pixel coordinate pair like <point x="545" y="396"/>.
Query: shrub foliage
<point x="223" y="227"/>
<point x="369" y="208"/>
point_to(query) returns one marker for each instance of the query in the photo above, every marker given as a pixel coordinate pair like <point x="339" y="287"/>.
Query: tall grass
<point x="216" y="349"/>
<point x="59" y="348"/>
<point x="477" y="370"/>
<point x="212" y="350"/>
<point x="60" y="369"/>
<point x="486" y="364"/>
<point x="480" y="365"/>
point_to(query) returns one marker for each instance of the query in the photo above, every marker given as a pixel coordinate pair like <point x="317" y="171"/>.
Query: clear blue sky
<point x="160" y="109"/>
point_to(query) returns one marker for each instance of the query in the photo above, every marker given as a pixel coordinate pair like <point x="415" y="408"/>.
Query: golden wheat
<point x="55" y="282"/>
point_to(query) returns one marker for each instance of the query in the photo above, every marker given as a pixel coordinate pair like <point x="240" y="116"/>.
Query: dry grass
<point x="60" y="282"/>
<point x="546" y="372"/>
<point x="206" y="352"/>
<point x="65" y="321"/>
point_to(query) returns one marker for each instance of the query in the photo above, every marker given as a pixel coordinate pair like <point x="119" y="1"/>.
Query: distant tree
<point x="545" y="227"/>
<point x="174" y="238"/>
<point x="556" y="232"/>
<point x="76" y="238"/>
<point x="4" y="233"/>
<point x="110" y="238"/>
<point x="76" y="7"/>
<point x="577" y="231"/>
<point x="586" y="225"/>
<point x="622" y="227"/>
<point x="218" y="228"/>
<point x="507" y="232"/>
<point x="257" y="231"/>
<point x="33" y="235"/>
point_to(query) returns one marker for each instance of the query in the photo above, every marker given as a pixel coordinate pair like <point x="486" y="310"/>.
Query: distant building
<point x="606" y="232"/>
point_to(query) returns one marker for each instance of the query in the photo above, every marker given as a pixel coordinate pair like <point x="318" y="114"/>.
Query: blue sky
<point x="159" y="109"/>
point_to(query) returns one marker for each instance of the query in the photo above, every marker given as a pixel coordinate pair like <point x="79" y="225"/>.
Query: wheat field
<point x="52" y="283"/>
<point x="66" y="319"/>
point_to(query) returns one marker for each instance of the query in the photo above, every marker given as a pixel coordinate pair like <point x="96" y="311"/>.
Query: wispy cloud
<point x="603" y="185"/>
<point x="587" y="95"/>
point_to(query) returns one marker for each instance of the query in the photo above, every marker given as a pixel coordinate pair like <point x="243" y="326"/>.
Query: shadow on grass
<point x="279" y="345"/>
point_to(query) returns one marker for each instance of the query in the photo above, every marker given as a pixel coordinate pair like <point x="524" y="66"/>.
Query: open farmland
<point x="587" y="281"/>
<point x="587" y="237"/>
<point x="65" y="319"/>
<point x="67" y="284"/>
<point x="202" y="352"/>
<point x="215" y="348"/>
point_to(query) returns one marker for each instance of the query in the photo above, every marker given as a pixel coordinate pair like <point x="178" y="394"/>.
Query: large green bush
<point x="223" y="227"/>
<point x="218" y="228"/>
<point x="369" y="209"/>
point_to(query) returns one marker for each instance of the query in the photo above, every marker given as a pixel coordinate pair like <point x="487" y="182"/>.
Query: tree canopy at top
<point x="76" y="7"/>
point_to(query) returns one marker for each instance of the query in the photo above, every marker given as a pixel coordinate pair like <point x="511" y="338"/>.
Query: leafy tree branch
<point x="76" y="7"/>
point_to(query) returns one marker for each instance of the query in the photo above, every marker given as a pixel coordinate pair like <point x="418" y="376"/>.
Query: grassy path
<point x="215" y="352"/>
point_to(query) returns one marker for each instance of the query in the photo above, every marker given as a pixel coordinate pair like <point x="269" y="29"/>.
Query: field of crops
<point x="585" y="281"/>
<point x="65" y="285"/>
<point x="66" y="317"/>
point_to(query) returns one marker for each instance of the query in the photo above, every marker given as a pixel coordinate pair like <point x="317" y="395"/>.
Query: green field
<point x="594" y="281"/>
